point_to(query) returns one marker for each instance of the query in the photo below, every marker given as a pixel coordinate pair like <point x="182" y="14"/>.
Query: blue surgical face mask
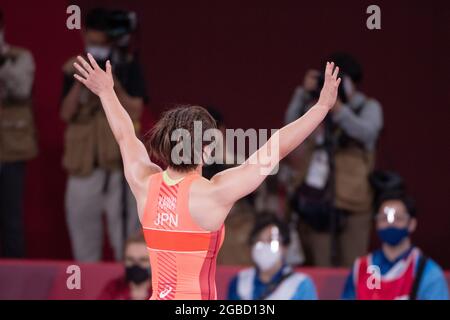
<point x="392" y="235"/>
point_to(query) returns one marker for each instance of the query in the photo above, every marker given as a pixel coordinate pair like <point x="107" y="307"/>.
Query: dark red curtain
<point x="245" y="58"/>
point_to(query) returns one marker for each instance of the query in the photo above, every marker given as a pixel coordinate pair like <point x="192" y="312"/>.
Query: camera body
<point x="342" y="95"/>
<point x="120" y="24"/>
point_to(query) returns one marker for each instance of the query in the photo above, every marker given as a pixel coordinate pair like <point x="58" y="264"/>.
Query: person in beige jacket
<point x="96" y="183"/>
<point x="17" y="141"/>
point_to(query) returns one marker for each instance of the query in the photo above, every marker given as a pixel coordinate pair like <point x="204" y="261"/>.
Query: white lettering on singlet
<point x="163" y="217"/>
<point x="167" y="203"/>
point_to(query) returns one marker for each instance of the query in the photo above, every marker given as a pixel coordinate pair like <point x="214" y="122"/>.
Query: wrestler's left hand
<point x="328" y="94"/>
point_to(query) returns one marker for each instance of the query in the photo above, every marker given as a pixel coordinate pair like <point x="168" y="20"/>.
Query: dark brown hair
<point x="265" y="219"/>
<point x="160" y="142"/>
<point x="398" y="195"/>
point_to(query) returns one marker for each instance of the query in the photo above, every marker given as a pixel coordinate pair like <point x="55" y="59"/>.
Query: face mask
<point x="136" y="274"/>
<point x="265" y="255"/>
<point x="99" y="53"/>
<point x="392" y="235"/>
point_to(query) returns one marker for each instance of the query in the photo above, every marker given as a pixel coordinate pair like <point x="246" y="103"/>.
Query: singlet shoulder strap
<point x="153" y="184"/>
<point x="183" y="200"/>
<point x="187" y="180"/>
<point x="153" y="181"/>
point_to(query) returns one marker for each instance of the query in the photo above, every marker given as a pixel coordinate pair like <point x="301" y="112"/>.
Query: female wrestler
<point x="181" y="212"/>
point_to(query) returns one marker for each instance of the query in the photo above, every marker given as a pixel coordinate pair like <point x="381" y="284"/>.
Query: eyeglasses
<point x="391" y="216"/>
<point x="274" y="240"/>
<point x="274" y="244"/>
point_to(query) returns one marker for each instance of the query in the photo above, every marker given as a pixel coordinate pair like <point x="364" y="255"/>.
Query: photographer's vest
<point x="353" y="165"/>
<point x="17" y="128"/>
<point x="89" y="142"/>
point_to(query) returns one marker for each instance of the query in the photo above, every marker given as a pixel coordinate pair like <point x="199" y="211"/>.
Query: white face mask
<point x="98" y="52"/>
<point x="266" y="255"/>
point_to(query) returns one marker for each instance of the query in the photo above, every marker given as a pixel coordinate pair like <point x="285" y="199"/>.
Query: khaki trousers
<point x="87" y="199"/>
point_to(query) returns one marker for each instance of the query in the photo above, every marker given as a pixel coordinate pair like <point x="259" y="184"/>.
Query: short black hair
<point x="347" y="65"/>
<point x="265" y="219"/>
<point x="399" y="195"/>
<point x="97" y="19"/>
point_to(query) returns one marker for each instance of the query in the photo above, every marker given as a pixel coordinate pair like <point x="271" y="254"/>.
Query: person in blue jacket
<point x="271" y="277"/>
<point x="398" y="270"/>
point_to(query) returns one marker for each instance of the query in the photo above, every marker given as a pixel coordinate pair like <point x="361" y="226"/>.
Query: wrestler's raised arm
<point x="137" y="164"/>
<point x="230" y="185"/>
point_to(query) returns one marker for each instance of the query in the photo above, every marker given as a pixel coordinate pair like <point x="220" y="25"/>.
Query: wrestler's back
<point x="182" y="254"/>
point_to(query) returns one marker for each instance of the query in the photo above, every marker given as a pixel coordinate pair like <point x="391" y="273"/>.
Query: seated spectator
<point x="404" y="272"/>
<point x="136" y="283"/>
<point x="271" y="278"/>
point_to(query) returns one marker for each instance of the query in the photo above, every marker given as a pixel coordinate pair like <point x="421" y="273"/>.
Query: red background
<point x="246" y="58"/>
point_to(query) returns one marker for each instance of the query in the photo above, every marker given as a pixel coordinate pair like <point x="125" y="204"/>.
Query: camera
<point x="121" y="23"/>
<point x="342" y="95"/>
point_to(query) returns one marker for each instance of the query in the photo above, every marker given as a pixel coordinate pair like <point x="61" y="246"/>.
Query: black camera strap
<point x="419" y="273"/>
<point x="274" y="285"/>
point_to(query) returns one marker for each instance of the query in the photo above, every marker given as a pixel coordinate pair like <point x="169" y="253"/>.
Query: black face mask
<point x="136" y="274"/>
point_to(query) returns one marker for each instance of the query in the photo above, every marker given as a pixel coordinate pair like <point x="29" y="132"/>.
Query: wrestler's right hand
<point x="92" y="76"/>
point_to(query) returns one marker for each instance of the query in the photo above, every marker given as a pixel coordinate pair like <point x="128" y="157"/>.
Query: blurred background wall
<point x="245" y="58"/>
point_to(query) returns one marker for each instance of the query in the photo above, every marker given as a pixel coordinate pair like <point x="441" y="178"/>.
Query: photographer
<point x="333" y="195"/>
<point x="92" y="157"/>
<point x="17" y="141"/>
